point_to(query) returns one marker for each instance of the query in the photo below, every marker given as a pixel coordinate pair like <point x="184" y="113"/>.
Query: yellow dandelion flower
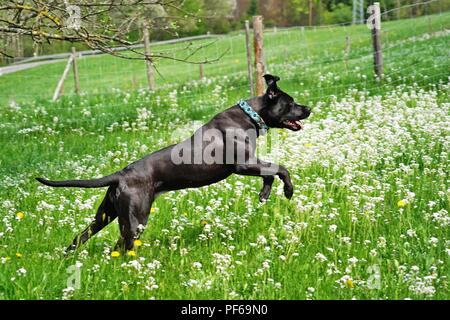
<point x="131" y="253"/>
<point x="115" y="254"/>
<point x="18" y="255"/>
<point x="20" y="215"/>
<point x="283" y="134"/>
<point x="402" y="203"/>
<point x="350" y="283"/>
<point x="203" y="222"/>
<point x="137" y="243"/>
<point x="152" y="210"/>
<point x="308" y="145"/>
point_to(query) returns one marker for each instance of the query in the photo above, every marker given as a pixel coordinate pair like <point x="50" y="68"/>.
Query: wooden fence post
<point x="150" y="77"/>
<point x="310" y="6"/>
<point x="134" y="82"/>
<point x="376" y="27"/>
<point x="347" y="51"/>
<point x="60" y="85"/>
<point x="202" y="71"/>
<point x="249" y="58"/>
<point x="76" y="80"/>
<point x="259" y="55"/>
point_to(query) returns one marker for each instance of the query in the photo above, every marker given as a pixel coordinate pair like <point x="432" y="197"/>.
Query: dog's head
<point x="279" y="109"/>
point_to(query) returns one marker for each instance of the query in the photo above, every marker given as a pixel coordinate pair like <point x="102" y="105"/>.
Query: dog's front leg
<point x="266" y="189"/>
<point x="267" y="171"/>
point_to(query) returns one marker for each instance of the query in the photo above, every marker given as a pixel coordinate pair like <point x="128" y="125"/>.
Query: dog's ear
<point x="272" y="88"/>
<point x="270" y="79"/>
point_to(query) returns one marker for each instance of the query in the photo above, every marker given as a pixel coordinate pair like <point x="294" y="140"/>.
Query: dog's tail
<point x="94" y="183"/>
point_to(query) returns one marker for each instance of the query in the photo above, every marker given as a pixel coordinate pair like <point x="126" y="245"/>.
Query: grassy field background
<point x="318" y="50"/>
<point x="369" y="217"/>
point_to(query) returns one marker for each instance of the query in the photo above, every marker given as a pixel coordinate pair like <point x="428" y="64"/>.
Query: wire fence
<point x="298" y="54"/>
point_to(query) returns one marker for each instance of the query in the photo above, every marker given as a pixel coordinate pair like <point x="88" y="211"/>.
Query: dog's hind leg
<point x="134" y="209"/>
<point x="105" y="214"/>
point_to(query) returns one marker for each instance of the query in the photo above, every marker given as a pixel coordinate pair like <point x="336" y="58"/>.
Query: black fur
<point x="133" y="189"/>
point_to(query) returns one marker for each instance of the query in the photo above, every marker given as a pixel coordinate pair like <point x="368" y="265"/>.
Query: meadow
<point x="369" y="218"/>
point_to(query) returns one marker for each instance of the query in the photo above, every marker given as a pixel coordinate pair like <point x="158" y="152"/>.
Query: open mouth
<point x="293" y="125"/>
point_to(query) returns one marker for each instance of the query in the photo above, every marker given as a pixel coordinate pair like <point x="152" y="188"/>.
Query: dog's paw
<point x="264" y="194"/>
<point x="288" y="191"/>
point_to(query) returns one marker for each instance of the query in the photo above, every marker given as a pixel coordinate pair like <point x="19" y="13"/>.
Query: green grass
<point x="368" y="145"/>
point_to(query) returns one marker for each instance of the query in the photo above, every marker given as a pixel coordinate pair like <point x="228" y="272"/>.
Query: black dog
<point x="225" y="145"/>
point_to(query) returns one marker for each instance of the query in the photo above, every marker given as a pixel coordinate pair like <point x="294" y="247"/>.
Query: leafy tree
<point x="218" y="15"/>
<point x="253" y="8"/>
<point x="340" y="13"/>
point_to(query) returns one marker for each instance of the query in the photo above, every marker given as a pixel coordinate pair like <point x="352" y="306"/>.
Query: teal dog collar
<point x="254" y="115"/>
